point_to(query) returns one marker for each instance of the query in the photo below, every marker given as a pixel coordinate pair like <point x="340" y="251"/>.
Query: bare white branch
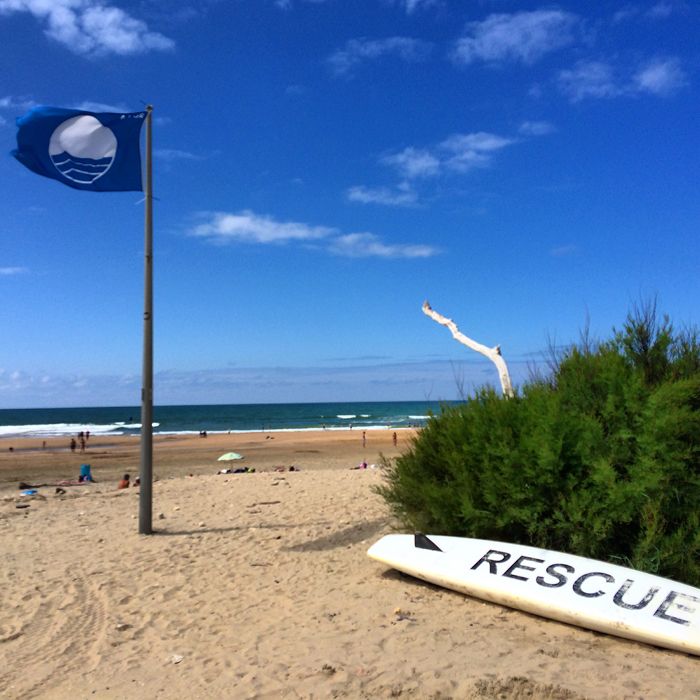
<point x="494" y="354"/>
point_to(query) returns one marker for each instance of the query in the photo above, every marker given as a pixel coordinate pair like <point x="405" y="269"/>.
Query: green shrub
<point x="600" y="459"/>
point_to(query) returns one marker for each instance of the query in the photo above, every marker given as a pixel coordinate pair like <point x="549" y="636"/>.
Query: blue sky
<point x="322" y="167"/>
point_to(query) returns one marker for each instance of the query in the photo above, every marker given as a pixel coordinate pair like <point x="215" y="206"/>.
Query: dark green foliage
<point x="600" y="459"/>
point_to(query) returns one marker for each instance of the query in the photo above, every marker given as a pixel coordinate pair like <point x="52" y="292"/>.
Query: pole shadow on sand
<point x="234" y="528"/>
<point x="343" y="538"/>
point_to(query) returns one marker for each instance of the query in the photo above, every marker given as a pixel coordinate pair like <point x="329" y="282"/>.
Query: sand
<point x="181" y="455"/>
<point x="258" y="586"/>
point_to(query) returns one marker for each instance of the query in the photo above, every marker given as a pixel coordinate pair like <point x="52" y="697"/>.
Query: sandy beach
<point x="28" y="460"/>
<point x="258" y="585"/>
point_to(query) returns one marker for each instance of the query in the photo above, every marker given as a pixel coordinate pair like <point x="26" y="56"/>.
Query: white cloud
<point x="16" y="104"/>
<point x="403" y="195"/>
<point x="10" y="271"/>
<point x="90" y="106"/>
<point x="625" y="13"/>
<point x="476" y="141"/>
<point x="660" y="77"/>
<point x="357" y="51"/>
<point x="528" y="128"/>
<point x="411" y="6"/>
<point x="172" y="154"/>
<point x="467" y="151"/>
<point x="660" y="10"/>
<point x="458" y="153"/>
<point x="249" y="227"/>
<point x="352" y="378"/>
<point x="21" y="388"/>
<point x="597" y="79"/>
<point x="90" y="27"/>
<point x="588" y="79"/>
<point x="366" y="245"/>
<point x="522" y="36"/>
<point x="414" y="162"/>
<point x="23" y="104"/>
<point x="287" y="4"/>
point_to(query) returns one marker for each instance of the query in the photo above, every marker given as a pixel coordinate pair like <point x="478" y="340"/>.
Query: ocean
<point x="235" y="418"/>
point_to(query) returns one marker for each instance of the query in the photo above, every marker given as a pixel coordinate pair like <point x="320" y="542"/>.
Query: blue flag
<point x="85" y="150"/>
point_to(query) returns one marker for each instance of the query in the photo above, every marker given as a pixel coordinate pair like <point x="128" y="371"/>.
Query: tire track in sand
<point x="62" y="635"/>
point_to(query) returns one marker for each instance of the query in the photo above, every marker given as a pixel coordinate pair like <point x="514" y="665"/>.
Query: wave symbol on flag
<point x="82" y="149"/>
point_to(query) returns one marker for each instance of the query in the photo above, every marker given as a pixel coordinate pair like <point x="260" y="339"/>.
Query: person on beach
<point x="85" y="473"/>
<point x="394" y="439"/>
<point x="73" y="444"/>
<point x="364" y="439"/>
<point x="124" y="483"/>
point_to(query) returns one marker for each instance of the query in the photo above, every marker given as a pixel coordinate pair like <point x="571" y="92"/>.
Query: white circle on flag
<point x="82" y="149"/>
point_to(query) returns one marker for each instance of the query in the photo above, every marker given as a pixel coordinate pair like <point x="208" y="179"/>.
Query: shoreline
<point x="37" y="437"/>
<point x="181" y="455"/>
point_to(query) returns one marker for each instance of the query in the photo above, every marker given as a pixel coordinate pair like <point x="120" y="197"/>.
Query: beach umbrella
<point x="229" y="456"/>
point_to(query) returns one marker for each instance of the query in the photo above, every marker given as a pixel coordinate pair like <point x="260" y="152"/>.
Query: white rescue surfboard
<point x="576" y="590"/>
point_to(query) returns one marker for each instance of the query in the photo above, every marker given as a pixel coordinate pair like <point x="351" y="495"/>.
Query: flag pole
<point x="146" y="471"/>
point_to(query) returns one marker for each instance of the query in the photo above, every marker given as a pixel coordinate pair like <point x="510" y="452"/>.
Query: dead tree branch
<point x="494" y="354"/>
